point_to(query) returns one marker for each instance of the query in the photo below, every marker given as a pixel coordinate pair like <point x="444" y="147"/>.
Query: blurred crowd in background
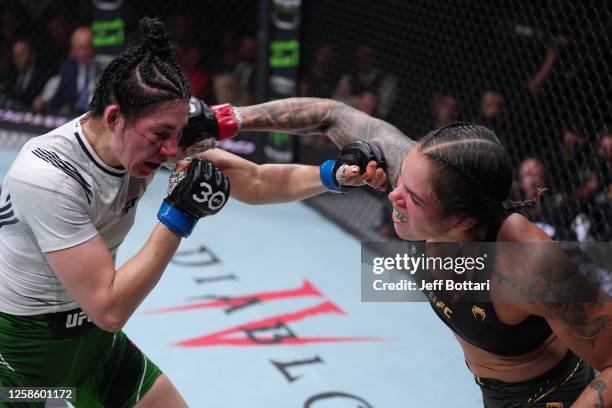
<point x="540" y="78"/>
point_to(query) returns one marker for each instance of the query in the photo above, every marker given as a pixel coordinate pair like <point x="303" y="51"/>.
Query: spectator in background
<point x="245" y="67"/>
<point x="554" y="216"/>
<point x="580" y="180"/>
<point x="320" y="78"/>
<point x="576" y="177"/>
<point x="522" y="111"/>
<point x="190" y="59"/>
<point x="25" y="79"/>
<point x="444" y="109"/>
<point x="228" y="49"/>
<point x="56" y="44"/>
<point x="77" y="77"/>
<point x="599" y="206"/>
<point x="493" y="112"/>
<point x="492" y="105"/>
<point x="83" y="13"/>
<point x="222" y="71"/>
<point x="604" y="158"/>
<point x="367" y="88"/>
<point x="7" y="39"/>
<point x="227" y="90"/>
<point x="181" y="28"/>
<point x="536" y="82"/>
<point x="16" y="24"/>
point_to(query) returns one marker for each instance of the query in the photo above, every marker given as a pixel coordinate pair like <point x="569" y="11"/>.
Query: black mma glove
<point x="199" y="191"/>
<point x="217" y="121"/>
<point x="359" y="154"/>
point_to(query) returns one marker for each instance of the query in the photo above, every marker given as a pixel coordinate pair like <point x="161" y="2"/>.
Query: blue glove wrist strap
<point x="176" y="220"/>
<point x="326" y="173"/>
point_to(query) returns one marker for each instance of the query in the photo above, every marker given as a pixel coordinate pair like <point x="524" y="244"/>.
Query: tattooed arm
<point x="341" y="123"/>
<point x="598" y="394"/>
<point x="581" y="316"/>
<point x="579" y="313"/>
<point x="585" y="328"/>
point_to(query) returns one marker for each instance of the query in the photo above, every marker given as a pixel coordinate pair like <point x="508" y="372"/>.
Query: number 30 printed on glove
<point x="196" y="192"/>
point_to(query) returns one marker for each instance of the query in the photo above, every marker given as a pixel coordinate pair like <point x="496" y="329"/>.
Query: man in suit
<point x="77" y="76"/>
<point x="26" y="78"/>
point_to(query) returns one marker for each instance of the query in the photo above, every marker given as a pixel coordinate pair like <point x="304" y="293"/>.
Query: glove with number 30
<point x="202" y="191"/>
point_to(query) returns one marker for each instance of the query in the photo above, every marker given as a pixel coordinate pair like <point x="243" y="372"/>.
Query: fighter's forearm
<point x="341" y="123"/>
<point x="304" y="116"/>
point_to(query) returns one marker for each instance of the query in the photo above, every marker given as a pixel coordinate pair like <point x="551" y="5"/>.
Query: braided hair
<point x="141" y="77"/>
<point x="475" y="176"/>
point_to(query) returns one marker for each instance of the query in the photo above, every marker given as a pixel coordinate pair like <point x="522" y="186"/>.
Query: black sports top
<point x="477" y="323"/>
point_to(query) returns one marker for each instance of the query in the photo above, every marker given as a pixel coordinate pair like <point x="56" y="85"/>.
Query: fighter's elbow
<point x="109" y="322"/>
<point x="107" y="316"/>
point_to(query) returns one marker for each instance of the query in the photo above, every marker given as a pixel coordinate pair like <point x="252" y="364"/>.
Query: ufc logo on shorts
<point x="76" y="319"/>
<point x="215" y="200"/>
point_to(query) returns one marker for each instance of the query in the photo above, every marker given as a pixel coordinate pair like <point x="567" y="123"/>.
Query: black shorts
<point x="557" y="388"/>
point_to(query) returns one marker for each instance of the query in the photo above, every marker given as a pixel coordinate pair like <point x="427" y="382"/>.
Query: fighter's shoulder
<point x="517" y="228"/>
<point x="37" y="155"/>
<point x="43" y="165"/>
<point x="529" y="260"/>
<point x="520" y="239"/>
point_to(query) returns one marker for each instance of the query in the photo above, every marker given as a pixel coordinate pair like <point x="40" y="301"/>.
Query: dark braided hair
<point x="141" y="77"/>
<point x="475" y="175"/>
<point x="519" y="205"/>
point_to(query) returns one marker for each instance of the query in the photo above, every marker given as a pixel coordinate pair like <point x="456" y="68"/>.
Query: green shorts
<point x="67" y="350"/>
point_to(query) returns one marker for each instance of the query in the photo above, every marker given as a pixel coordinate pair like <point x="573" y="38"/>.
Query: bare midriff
<point x="524" y="367"/>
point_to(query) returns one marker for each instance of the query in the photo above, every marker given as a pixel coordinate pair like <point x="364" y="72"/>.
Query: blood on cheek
<point x="146" y="137"/>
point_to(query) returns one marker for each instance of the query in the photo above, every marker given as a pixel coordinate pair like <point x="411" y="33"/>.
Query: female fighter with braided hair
<point x="68" y="202"/>
<point x="452" y="186"/>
